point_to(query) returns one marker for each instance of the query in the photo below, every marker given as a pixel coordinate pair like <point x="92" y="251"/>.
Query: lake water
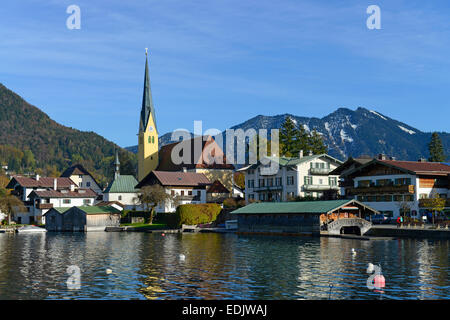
<point x="218" y="266"/>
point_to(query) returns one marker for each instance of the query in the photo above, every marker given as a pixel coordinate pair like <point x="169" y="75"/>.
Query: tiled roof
<point x="77" y="169"/>
<point x="419" y="167"/>
<point x="166" y="163"/>
<point x="314" y="207"/>
<point x="122" y="184"/>
<point x="169" y="178"/>
<point x="79" y="193"/>
<point x="43" y="182"/>
<point x="217" y="187"/>
<point x="108" y="203"/>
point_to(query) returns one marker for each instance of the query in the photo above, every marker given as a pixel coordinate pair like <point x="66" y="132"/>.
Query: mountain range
<point x="353" y="133"/>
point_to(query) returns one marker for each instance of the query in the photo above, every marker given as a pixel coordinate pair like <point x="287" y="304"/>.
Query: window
<point x="153" y="139"/>
<point x="88" y="201"/>
<point x="290" y="180"/>
<point x="182" y="192"/>
<point x="383" y="182"/>
<point x="278" y="181"/>
<point x="189" y="193"/>
<point x="149" y="139"/>
<point x="66" y="201"/>
<point x="398" y="197"/>
<point x="308" y="180"/>
<point x="251" y="196"/>
<point x="308" y="194"/>
<point x="363" y="183"/>
<point x="387" y="198"/>
<point x="270" y="182"/>
<point x="332" y="181"/>
<point x="403" y="181"/>
<point x="120" y="198"/>
<point x="370" y="199"/>
<point x="409" y="197"/>
<point x="251" y="183"/>
<point x="423" y="196"/>
<point x="172" y="192"/>
<point x="88" y="184"/>
<point x="320" y="181"/>
<point x="261" y="182"/>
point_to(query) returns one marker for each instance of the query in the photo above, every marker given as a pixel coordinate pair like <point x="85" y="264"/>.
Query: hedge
<point x="193" y="214"/>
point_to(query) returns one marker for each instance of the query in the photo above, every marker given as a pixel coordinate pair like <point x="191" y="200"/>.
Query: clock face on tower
<point x="150" y="128"/>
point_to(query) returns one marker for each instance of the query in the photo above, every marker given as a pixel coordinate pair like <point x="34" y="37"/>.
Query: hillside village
<point x="376" y="185"/>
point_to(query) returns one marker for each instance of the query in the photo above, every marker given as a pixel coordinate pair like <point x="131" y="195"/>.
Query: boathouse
<point x="304" y="217"/>
<point x="84" y="218"/>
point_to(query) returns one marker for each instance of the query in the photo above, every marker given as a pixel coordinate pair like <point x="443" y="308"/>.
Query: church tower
<point x="148" y="133"/>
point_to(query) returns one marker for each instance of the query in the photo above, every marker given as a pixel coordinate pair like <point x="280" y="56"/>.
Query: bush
<point x="193" y="214"/>
<point x="229" y="203"/>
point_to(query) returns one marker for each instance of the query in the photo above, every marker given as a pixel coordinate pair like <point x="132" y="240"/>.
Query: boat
<point x="30" y="229"/>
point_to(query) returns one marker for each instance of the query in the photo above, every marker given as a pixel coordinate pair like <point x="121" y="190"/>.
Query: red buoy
<point x="379" y="281"/>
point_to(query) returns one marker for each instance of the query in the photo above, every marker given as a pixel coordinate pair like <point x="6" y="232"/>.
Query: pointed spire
<point x="117" y="164"/>
<point x="147" y="100"/>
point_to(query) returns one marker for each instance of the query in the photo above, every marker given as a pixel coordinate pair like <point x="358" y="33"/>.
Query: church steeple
<point x="148" y="146"/>
<point x="147" y="100"/>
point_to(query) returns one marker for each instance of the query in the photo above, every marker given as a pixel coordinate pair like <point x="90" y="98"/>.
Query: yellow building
<point x="148" y="133"/>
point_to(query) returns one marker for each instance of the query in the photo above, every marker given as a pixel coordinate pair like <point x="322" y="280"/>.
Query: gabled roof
<point x="410" y="167"/>
<point x="109" y="203"/>
<point x="43" y="182"/>
<point x="122" y="184"/>
<point x="77" y="169"/>
<point x="169" y="178"/>
<point x="165" y="155"/>
<point x="356" y="162"/>
<point x="79" y="193"/>
<point x="310" y="207"/>
<point x="98" y="209"/>
<point x="217" y="187"/>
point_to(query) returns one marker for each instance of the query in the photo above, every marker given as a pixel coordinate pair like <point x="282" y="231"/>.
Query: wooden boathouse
<point x="307" y="218"/>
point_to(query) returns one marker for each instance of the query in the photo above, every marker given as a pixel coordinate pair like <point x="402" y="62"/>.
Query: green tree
<point x="315" y="143"/>
<point x="28" y="161"/>
<point x="437" y="204"/>
<point x="288" y="138"/>
<point x="10" y="204"/>
<point x="436" y="149"/>
<point x="151" y="196"/>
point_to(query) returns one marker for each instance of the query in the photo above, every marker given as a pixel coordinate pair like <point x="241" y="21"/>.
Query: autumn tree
<point x="10" y="204"/>
<point x="151" y="196"/>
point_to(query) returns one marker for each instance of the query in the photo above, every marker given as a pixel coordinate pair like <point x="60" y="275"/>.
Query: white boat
<point x="30" y="229"/>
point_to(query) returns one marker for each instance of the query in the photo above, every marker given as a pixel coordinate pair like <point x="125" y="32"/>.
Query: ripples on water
<point x="218" y="266"/>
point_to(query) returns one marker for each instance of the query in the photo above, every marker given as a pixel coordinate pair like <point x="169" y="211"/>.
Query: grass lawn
<point x="153" y="226"/>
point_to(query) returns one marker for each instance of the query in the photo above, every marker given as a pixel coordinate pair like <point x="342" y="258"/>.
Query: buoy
<point x="108" y="271"/>
<point x="370" y="268"/>
<point x="182" y="257"/>
<point x="379" y="282"/>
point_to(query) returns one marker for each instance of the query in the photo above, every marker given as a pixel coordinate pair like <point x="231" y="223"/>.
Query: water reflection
<point x="217" y="266"/>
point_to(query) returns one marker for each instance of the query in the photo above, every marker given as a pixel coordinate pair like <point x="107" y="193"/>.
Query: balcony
<point x="42" y="206"/>
<point x="267" y="188"/>
<point x="380" y="189"/>
<point x="319" y="187"/>
<point x="427" y="203"/>
<point x="319" y="171"/>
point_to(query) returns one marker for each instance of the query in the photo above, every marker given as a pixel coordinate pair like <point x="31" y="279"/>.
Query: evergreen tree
<point x="302" y="140"/>
<point x="316" y="144"/>
<point x="288" y="135"/>
<point x="436" y="149"/>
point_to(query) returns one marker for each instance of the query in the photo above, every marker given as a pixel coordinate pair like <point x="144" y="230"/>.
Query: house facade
<point x="187" y="187"/>
<point x="305" y="176"/>
<point x="82" y="178"/>
<point x="398" y="187"/>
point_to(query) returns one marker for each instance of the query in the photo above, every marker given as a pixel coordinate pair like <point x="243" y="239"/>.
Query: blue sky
<point x="225" y="61"/>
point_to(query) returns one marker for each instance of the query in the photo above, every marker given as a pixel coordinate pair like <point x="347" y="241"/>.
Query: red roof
<point x="420" y="167"/>
<point x="43" y="182"/>
<point x="79" y="193"/>
<point x="217" y="187"/>
<point x="208" y="148"/>
<point x="192" y="179"/>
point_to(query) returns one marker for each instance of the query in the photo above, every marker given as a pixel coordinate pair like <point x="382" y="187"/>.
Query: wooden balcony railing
<point x="44" y="206"/>
<point x="427" y="203"/>
<point x="380" y="189"/>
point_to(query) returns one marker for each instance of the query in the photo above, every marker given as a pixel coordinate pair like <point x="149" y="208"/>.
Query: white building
<point x="398" y="187"/>
<point x="187" y="187"/>
<point x="305" y="176"/>
<point x="61" y="190"/>
<point x="82" y="178"/>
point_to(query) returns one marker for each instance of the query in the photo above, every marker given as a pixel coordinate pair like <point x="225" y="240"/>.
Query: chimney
<point x="392" y="158"/>
<point x="37" y="177"/>
<point x="422" y="160"/>
<point x="381" y="156"/>
<point x="184" y="169"/>
<point x="300" y="154"/>
<point x="55" y="184"/>
<point x="72" y="187"/>
<point x="310" y="153"/>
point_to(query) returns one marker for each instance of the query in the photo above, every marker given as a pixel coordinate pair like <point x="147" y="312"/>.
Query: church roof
<point x="122" y="184"/>
<point x="147" y="101"/>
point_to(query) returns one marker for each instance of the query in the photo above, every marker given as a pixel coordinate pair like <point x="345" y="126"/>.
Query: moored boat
<point x="30" y="229"/>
